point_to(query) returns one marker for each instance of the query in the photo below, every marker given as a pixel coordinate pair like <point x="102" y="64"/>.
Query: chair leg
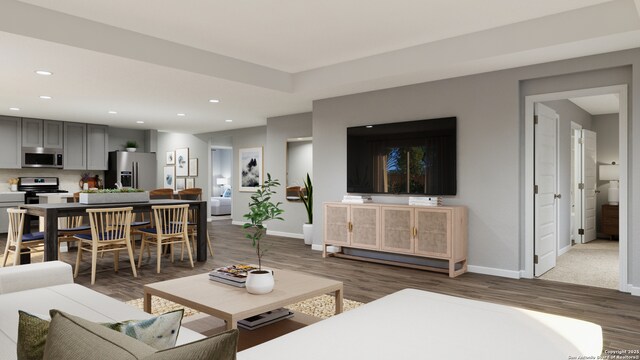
<point x="142" y="242"/>
<point x="158" y="257"/>
<point x="186" y="240"/>
<point x="116" y="259"/>
<point x="94" y="263"/>
<point x="16" y="255"/>
<point x="209" y="245"/>
<point x="78" y="259"/>
<point x="133" y="264"/>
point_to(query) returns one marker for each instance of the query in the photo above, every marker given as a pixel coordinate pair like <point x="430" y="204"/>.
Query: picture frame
<point x="193" y="167"/>
<point x="191" y="183"/>
<point x="171" y="158"/>
<point x="250" y="169"/>
<point x="169" y="177"/>
<point x="181" y="184"/>
<point x="182" y="162"/>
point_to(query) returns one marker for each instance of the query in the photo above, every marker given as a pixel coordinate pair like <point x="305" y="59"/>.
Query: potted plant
<point x="131" y="146"/>
<point x="307" y="199"/>
<point x="106" y="196"/>
<point x="13" y="184"/>
<point x="261" y="209"/>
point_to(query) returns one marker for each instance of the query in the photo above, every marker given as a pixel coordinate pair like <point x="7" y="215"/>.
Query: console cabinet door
<point x="365" y="227"/>
<point x="53" y="134"/>
<point x="32" y="132"/>
<point x="75" y="146"/>
<point x="433" y="232"/>
<point x="397" y="229"/>
<point x="336" y="224"/>
<point x="97" y="142"/>
<point x="10" y="145"/>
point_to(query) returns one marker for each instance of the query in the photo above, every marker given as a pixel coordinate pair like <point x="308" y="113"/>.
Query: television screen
<point x="413" y="157"/>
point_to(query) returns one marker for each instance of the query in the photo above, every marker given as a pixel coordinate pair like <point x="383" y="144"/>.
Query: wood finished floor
<point x="616" y="312"/>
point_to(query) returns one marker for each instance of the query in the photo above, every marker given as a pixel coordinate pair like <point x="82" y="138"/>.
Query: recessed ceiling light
<point x="112" y="112"/>
<point x="228" y="120"/>
<point x="139" y="122"/>
<point x="214" y="101"/>
<point x="45" y="97"/>
<point x="44" y="72"/>
<point x="181" y="114"/>
<point x="14" y="109"/>
<point x="369" y="126"/>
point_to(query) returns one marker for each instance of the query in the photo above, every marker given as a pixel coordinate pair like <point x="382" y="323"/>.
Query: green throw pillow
<point x="71" y="337"/>
<point x="160" y="332"/>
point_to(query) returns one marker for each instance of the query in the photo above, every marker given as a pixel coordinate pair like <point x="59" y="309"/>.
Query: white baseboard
<point x="564" y="250"/>
<point x="316" y="247"/>
<point x="330" y="249"/>
<point x="285" y="234"/>
<point x="237" y="222"/>
<point x="634" y="290"/>
<point x="512" y="274"/>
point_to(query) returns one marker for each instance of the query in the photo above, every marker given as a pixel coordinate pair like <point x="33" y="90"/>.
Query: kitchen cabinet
<point x="42" y="133"/>
<point x="10" y="145"/>
<point x="75" y="146"/>
<point x="97" y="147"/>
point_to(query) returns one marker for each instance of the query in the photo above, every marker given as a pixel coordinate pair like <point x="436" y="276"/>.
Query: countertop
<point x="61" y="195"/>
<point x="11" y="192"/>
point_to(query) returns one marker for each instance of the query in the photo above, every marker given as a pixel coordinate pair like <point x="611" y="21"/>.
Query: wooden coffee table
<point x="231" y="303"/>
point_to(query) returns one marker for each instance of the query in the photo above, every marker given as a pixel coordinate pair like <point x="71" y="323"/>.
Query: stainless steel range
<point x="32" y="186"/>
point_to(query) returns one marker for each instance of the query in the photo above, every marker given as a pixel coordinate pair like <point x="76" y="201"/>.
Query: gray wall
<point x="279" y="129"/>
<point x="606" y="126"/>
<point x="567" y="112"/>
<point x="198" y="149"/>
<point x="490" y="112"/>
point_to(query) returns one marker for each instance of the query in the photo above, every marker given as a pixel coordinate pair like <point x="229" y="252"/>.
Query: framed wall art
<point x="193" y="167"/>
<point x="250" y="165"/>
<point x="169" y="177"/>
<point x="182" y="162"/>
<point x="191" y="183"/>
<point x="171" y="158"/>
<point x="180" y="184"/>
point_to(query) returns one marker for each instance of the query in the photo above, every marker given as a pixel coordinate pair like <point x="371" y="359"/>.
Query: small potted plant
<point x="131" y="146"/>
<point x="261" y="209"/>
<point x="306" y="197"/>
<point x="13" y="184"/>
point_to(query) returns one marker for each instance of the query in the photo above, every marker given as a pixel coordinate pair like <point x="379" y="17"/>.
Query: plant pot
<point x="260" y="282"/>
<point x="106" y="198"/>
<point x="14" y="187"/>
<point x="131" y="149"/>
<point x="307" y="230"/>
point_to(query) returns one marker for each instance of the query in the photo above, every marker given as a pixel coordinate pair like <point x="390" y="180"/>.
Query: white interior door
<point x="589" y="159"/>
<point x="576" y="181"/>
<point x="545" y="180"/>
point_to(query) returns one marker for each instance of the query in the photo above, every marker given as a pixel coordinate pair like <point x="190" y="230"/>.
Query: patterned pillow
<point x="160" y="332"/>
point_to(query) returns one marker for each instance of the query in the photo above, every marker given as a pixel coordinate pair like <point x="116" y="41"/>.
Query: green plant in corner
<point x="262" y="209"/>
<point x="307" y="198"/>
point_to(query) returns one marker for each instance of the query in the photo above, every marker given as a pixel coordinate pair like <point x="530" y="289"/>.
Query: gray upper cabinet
<point x="10" y="147"/>
<point x="32" y="132"/>
<point x="97" y="143"/>
<point x="42" y="133"/>
<point x="53" y="134"/>
<point x="75" y="146"/>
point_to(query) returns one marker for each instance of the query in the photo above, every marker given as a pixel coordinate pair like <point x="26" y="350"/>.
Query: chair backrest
<point x="161" y="194"/>
<point x="70" y="222"/>
<point x="171" y="220"/>
<point x="16" y="224"/>
<point x="110" y="223"/>
<point x="190" y="194"/>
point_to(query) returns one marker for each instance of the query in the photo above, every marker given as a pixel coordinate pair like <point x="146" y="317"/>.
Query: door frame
<point x="528" y="250"/>
<point x="578" y="155"/>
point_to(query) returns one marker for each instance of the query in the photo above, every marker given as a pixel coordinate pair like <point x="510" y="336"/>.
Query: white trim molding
<point x="234" y="222"/>
<point x="285" y="234"/>
<point x="564" y="250"/>
<point x="512" y="274"/>
<point x="634" y="290"/>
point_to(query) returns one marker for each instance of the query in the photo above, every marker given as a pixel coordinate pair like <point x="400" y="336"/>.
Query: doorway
<point x="571" y="220"/>
<point x="221" y="180"/>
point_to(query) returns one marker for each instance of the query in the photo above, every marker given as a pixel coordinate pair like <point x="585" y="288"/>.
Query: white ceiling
<point x="152" y="59"/>
<point x="598" y="104"/>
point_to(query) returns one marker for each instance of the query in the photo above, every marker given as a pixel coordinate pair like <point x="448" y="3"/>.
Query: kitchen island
<point x="51" y="213"/>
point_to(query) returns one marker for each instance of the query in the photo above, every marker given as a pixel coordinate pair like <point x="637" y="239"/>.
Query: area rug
<point x="322" y="306"/>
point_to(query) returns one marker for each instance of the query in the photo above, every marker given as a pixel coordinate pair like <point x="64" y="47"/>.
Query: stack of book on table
<point x="425" y="201"/>
<point x="356" y="199"/>
<point x="235" y="275"/>
<point x="265" y="319"/>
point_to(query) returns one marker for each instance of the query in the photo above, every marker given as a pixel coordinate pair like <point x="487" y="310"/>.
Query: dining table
<point x="52" y="212"/>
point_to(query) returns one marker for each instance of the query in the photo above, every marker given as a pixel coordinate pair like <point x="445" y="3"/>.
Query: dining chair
<point x="161" y="194"/>
<point x="110" y="232"/>
<point x="194" y="194"/>
<point x="170" y="228"/>
<point x="140" y="220"/>
<point x="70" y="226"/>
<point x="17" y="241"/>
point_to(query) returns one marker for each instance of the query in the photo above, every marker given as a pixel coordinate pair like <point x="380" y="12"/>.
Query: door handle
<point x="597" y="191"/>
<point x="557" y="196"/>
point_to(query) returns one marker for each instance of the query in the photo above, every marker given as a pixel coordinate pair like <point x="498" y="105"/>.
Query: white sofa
<point x="38" y="287"/>
<point x="220" y="206"/>
<point x="416" y="324"/>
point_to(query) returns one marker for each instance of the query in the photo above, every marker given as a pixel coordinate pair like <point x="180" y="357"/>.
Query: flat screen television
<point x="413" y="157"/>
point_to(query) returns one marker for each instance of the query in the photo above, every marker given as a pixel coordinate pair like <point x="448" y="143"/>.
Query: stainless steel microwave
<point x="41" y="158"/>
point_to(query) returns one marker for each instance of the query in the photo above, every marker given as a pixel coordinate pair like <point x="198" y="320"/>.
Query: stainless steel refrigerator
<point x="131" y="170"/>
